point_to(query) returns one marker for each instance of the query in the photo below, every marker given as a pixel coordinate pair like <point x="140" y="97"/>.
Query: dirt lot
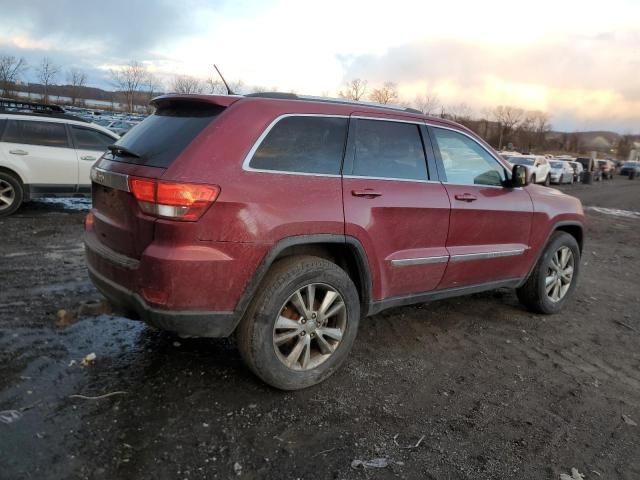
<point x="493" y="391"/>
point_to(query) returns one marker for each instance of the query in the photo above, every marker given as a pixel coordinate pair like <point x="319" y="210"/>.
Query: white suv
<point x="46" y="154"/>
<point x="537" y="165"/>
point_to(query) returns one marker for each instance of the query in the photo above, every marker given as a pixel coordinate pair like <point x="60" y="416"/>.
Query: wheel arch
<point x="13" y="173"/>
<point x="346" y="252"/>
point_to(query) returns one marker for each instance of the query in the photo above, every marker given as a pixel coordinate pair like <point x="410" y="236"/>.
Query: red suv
<point x="285" y="219"/>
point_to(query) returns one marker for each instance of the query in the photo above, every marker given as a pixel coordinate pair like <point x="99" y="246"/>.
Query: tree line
<point x="503" y="126"/>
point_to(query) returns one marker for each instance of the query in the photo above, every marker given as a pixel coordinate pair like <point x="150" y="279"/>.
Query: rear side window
<point x="389" y="150"/>
<point x="88" y="139"/>
<point x="303" y="144"/>
<point x="162" y="137"/>
<point x="46" y="134"/>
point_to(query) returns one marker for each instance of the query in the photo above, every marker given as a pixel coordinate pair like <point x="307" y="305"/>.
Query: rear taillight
<point x="177" y="201"/>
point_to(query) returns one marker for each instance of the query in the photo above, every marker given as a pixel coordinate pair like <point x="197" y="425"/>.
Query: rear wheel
<point x="547" y="181"/>
<point x="302" y="325"/>
<point x="554" y="277"/>
<point x="533" y="178"/>
<point x="11" y="194"/>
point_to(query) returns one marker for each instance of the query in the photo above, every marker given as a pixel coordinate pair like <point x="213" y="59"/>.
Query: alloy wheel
<point x="7" y="195"/>
<point x="559" y="274"/>
<point x="310" y="326"/>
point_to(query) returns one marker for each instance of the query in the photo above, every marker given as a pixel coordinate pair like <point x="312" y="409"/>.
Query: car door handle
<point x="366" y="193"/>
<point x="88" y="158"/>
<point x="19" y="152"/>
<point x="466" y="197"/>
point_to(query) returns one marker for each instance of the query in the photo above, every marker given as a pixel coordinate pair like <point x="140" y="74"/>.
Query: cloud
<point x="114" y="30"/>
<point x="580" y="75"/>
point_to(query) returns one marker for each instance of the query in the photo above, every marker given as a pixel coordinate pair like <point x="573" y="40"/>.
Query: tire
<point x="11" y="191"/>
<point x="533" y="294"/>
<point x="533" y="178"/>
<point x="257" y="335"/>
<point x="547" y="181"/>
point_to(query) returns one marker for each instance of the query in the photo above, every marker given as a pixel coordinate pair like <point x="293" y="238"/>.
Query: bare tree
<point x="460" y="113"/>
<point x="186" y="84"/>
<point x="47" y="73"/>
<point x="11" y="68"/>
<point x="508" y="118"/>
<point x="77" y="79"/>
<point x="387" y="94"/>
<point x="427" y="103"/>
<point x="216" y="86"/>
<point x="354" y="90"/>
<point x="129" y="80"/>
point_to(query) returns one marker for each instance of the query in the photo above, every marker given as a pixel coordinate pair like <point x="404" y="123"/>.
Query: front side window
<point x="389" y="150"/>
<point x="88" y="139"/>
<point x="465" y="161"/>
<point x="46" y="134"/>
<point x="304" y="145"/>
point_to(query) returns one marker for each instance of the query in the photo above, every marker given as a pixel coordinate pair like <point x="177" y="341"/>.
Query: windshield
<point x="631" y="164"/>
<point x="557" y="164"/>
<point x="162" y="137"/>
<point x="521" y="160"/>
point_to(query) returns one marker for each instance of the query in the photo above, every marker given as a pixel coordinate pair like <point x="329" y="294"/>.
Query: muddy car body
<point x="286" y="219"/>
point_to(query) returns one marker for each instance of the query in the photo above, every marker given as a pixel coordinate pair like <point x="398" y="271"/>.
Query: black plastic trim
<point x="199" y="323"/>
<point x="380" y="305"/>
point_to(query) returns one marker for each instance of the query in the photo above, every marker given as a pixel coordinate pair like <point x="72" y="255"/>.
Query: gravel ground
<point x="480" y="387"/>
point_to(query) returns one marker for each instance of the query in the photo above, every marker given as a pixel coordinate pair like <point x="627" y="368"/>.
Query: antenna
<point x="229" y="92"/>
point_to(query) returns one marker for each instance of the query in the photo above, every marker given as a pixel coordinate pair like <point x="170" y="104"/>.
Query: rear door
<point x="490" y="224"/>
<point x="393" y="207"/>
<point x="45" y="152"/>
<point x="89" y="145"/>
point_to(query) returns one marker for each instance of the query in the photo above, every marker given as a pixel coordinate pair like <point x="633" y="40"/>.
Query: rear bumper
<point x="197" y="323"/>
<point x="188" y="289"/>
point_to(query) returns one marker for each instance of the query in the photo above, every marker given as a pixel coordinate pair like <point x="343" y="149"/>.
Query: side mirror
<point x="519" y="176"/>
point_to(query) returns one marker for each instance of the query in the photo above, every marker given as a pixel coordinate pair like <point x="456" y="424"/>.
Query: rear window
<point x="386" y="149"/>
<point x="304" y="144"/>
<point x="162" y="137"/>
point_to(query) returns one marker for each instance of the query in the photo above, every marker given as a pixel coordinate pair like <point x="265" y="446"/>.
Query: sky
<point x="579" y="61"/>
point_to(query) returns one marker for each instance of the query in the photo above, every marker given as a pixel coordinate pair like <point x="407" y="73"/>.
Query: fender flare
<point x="268" y="260"/>
<point x="556" y="226"/>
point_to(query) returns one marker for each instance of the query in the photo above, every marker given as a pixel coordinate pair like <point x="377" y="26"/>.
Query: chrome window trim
<point x="403" y="262"/>
<point x="464" y="257"/>
<point x="247" y="159"/>
<point x="364" y="177"/>
<point x="118" y="181"/>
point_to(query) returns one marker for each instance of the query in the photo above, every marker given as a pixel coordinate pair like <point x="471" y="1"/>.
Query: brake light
<point x="177" y="201"/>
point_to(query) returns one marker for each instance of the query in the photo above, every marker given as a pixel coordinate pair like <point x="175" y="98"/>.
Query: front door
<point x="90" y="144"/>
<point x="392" y="207"/>
<point x="490" y="224"/>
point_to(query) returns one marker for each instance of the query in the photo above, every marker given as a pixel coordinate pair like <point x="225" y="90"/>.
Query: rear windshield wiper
<point x="121" y="151"/>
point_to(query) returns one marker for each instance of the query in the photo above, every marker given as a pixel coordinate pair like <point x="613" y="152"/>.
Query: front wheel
<point x="302" y="325"/>
<point x="554" y="277"/>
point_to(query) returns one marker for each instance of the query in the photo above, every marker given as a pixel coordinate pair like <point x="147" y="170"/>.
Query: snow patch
<point x="615" y="212"/>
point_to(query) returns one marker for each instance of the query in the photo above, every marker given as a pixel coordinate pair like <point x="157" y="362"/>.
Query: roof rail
<point x="341" y="101"/>
<point x="8" y="105"/>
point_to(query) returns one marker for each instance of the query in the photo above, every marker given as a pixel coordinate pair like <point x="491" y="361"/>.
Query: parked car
<point x="561" y="172"/>
<point x="589" y="166"/>
<point x="287" y="219"/>
<point x="539" y="167"/>
<point x="45" y="152"/>
<point x="630" y="166"/>
<point x="577" y="170"/>
<point x="607" y="168"/>
<point x="120" y="126"/>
